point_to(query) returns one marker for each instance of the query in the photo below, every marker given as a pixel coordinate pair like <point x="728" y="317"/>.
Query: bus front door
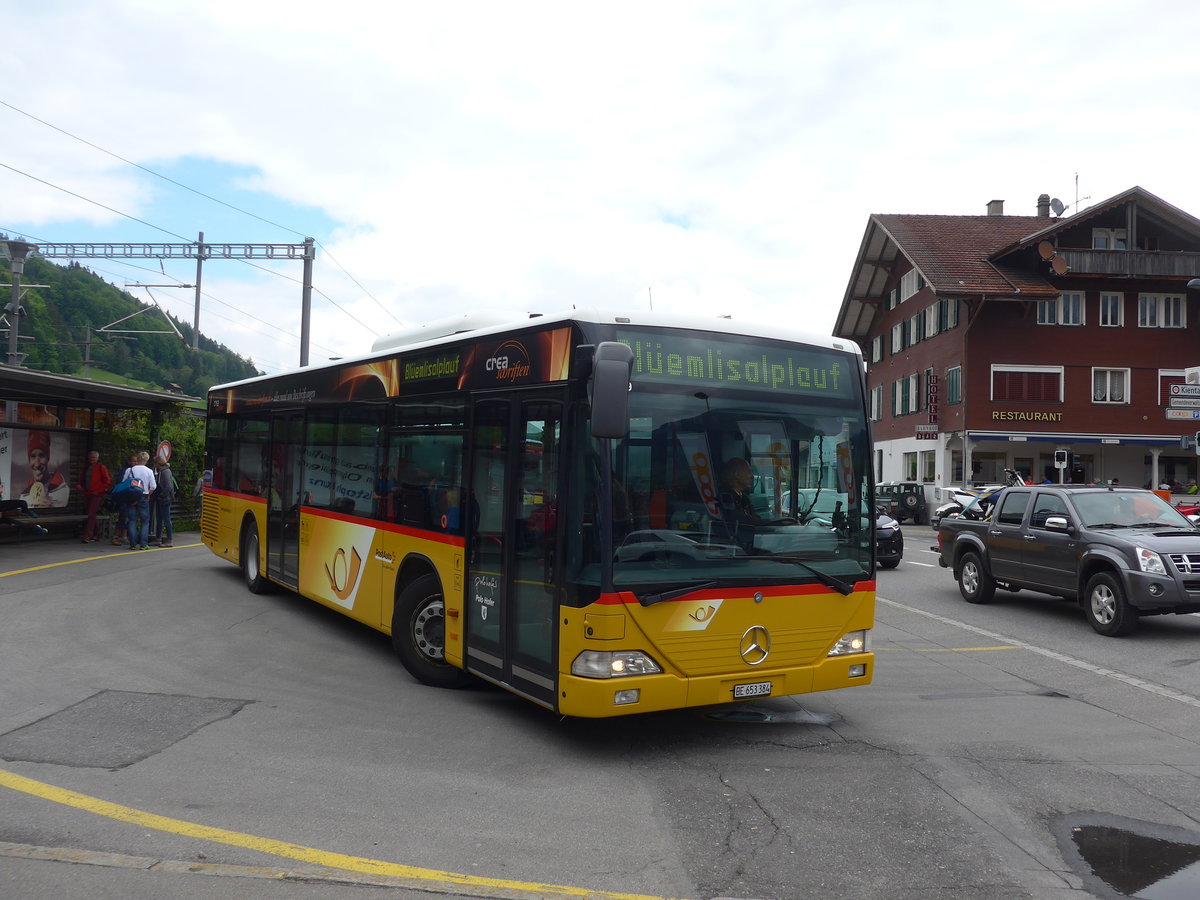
<point x="283" y="498"/>
<point x="511" y="604"/>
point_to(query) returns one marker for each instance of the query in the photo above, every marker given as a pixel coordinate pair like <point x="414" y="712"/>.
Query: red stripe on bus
<point x="628" y="598"/>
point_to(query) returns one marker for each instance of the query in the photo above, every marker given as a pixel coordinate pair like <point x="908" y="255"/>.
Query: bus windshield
<point x="711" y="488"/>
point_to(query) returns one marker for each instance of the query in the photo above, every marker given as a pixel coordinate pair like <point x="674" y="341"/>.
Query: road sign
<point x="1185" y="390"/>
<point x="1184" y="402"/>
<point x="1188" y="414"/>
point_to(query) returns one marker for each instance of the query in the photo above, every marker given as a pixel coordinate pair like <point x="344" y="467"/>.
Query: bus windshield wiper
<point x="651" y="599"/>
<point x="842" y="587"/>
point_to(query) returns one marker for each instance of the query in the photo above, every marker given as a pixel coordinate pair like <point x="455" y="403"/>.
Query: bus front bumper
<point x="603" y="697"/>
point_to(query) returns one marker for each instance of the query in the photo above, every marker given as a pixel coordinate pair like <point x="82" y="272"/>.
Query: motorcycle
<point x="975" y="503"/>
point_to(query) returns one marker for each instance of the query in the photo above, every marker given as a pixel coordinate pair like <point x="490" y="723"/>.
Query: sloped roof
<point x="969" y="255"/>
<point x="954" y="252"/>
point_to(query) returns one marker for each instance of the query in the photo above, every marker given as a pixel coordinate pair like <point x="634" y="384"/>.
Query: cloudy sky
<point x="714" y="157"/>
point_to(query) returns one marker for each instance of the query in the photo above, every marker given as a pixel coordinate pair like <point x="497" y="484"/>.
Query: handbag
<point x="128" y="491"/>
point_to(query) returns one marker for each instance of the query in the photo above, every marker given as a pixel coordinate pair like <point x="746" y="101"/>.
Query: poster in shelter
<point x="38" y="468"/>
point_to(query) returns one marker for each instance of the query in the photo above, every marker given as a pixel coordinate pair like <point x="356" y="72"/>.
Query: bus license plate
<point x="758" y="689"/>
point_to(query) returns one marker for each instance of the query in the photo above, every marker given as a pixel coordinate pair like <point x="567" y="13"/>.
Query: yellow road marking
<point x="299" y="852"/>
<point x="72" y="562"/>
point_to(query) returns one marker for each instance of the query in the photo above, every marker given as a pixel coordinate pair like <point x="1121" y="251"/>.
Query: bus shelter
<point x="48" y="423"/>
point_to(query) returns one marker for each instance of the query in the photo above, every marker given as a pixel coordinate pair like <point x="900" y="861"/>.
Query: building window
<point x="932" y="319"/>
<point x="954" y="385"/>
<point x="1112" y="310"/>
<point x="1108" y="239"/>
<point x="1027" y="384"/>
<point x="877" y="348"/>
<point x="928" y="466"/>
<point x="916" y="328"/>
<point x="947" y="314"/>
<point x="877" y="404"/>
<point x="904" y="396"/>
<point x="897" y="338"/>
<point x="910" y="282"/>
<point x="1110" y="385"/>
<point x="1070" y="309"/>
<point x="910" y="466"/>
<point x="1161" y="311"/>
<point x="1166" y="378"/>
<point x="1066" y="310"/>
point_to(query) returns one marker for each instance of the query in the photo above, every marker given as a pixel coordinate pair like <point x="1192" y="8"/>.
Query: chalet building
<point x="992" y="341"/>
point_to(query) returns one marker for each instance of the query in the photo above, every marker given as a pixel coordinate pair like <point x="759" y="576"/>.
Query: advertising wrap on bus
<point x="537" y="358"/>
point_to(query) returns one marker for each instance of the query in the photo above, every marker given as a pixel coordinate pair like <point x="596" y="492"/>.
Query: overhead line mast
<point x="200" y="251"/>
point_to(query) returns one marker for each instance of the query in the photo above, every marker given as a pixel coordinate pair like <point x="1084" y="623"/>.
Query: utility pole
<point x="199" y="273"/>
<point x="306" y="301"/>
<point x="17" y="251"/>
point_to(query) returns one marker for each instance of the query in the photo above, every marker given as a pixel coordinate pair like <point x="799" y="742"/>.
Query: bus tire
<point x="252" y="572"/>
<point x="419" y="634"/>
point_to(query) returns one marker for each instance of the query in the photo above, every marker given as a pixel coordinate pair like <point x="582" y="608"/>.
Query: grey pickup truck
<point x="1120" y="553"/>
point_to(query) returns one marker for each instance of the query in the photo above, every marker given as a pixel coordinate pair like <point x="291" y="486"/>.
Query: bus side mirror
<point x="612" y="365"/>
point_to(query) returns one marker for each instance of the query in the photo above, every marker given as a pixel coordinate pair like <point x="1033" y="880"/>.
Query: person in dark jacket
<point x="163" y="497"/>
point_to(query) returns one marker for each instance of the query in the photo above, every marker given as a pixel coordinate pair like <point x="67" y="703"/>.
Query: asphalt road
<point x="164" y="732"/>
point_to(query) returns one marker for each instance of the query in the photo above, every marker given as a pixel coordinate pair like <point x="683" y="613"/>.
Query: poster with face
<point x="37" y="457"/>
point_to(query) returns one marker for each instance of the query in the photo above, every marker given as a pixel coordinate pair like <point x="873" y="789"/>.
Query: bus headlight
<point x="852" y="642"/>
<point x="613" y="664"/>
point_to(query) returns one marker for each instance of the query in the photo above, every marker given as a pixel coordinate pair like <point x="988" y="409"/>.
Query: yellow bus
<point x="603" y="513"/>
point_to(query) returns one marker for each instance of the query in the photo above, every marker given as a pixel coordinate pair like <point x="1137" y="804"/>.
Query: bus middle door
<point x="511" y="608"/>
<point x="283" y="498"/>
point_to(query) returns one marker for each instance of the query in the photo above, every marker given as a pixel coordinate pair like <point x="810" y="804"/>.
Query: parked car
<point x="889" y="540"/>
<point x="904" y="500"/>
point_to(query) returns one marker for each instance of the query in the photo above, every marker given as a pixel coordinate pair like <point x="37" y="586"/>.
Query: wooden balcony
<point x="1133" y="263"/>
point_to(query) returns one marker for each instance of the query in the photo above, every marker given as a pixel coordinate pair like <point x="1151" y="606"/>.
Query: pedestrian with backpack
<point x="139" y="509"/>
<point x="163" y="497"/>
<point x="121" y="529"/>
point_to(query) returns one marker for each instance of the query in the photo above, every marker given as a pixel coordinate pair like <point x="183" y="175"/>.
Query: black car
<point x="904" y="500"/>
<point x="889" y="540"/>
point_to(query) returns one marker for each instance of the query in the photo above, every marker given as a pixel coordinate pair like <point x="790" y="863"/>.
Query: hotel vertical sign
<point x="929" y="432"/>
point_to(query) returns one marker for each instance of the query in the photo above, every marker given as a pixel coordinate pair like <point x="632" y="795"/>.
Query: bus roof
<point x="455" y="328"/>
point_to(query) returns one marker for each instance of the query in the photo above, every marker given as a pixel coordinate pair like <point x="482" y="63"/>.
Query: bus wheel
<point x="419" y="634"/>
<point x="255" y="581"/>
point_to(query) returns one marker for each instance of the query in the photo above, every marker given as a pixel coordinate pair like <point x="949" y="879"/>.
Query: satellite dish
<point x="1046" y="250"/>
<point x="1059" y="265"/>
<point x="1057" y="206"/>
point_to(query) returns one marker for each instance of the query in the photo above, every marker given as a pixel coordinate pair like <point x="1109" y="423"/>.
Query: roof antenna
<point x="1077" y="197"/>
